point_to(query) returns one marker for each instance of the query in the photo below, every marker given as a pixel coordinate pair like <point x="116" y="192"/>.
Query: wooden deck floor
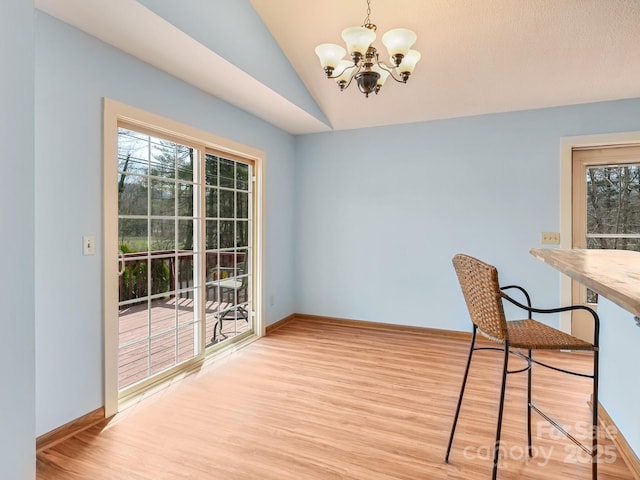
<point x="319" y="400"/>
<point x="156" y="338"/>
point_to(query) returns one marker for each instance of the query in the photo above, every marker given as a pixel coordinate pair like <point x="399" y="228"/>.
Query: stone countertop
<point x="614" y="274"/>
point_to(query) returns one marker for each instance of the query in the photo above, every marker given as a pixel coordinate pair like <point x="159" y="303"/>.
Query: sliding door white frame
<point x="113" y="113"/>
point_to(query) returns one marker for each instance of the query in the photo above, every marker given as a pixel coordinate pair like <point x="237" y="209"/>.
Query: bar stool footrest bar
<point x="558" y="427"/>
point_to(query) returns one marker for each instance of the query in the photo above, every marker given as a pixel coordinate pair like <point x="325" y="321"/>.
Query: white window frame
<point x="113" y="113"/>
<point x="567" y="145"/>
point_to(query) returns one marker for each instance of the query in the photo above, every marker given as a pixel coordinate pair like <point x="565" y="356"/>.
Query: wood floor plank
<point x="320" y="400"/>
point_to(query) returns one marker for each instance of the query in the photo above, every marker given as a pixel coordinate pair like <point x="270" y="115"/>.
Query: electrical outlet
<point x="550" y="238"/>
<point x="272" y="301"/>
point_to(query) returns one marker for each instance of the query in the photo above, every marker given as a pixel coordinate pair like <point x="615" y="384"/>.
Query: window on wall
<point x="180" y="283"/>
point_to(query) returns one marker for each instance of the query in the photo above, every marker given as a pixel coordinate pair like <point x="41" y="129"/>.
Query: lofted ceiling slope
<point x="477" y="56"/>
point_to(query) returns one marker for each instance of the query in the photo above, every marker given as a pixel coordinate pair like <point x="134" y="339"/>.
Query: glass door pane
<point x="228" y="212"/>
<point x="159" y="291"/>
<point x="613" y="209"/>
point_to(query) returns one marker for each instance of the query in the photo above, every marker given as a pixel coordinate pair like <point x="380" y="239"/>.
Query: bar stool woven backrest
<point x="481" y="291"/>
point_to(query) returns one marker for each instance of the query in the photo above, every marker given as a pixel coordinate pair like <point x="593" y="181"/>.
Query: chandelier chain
<point x="367" y="20"/>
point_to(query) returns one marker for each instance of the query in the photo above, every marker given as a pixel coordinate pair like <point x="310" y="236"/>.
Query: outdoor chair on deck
<point x="232" y="290"/>
<point x="484" y="296"/>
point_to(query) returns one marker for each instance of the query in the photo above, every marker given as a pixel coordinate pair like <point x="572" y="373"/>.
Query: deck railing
<point x="169" y="271"/>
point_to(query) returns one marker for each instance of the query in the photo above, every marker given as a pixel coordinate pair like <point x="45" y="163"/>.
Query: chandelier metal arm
<point x="357" y="66"/>
<point x="403" y="76"/>
<point x="345" y="85"/>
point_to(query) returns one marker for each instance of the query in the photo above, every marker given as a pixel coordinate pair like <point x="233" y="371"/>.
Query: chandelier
<point x="365" y="67"/>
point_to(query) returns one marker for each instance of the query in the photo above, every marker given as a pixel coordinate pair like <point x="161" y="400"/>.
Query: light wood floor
<point x="319" y="400"/>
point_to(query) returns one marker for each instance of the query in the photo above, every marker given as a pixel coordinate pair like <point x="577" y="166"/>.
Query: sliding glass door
<point x="185" y="254"/>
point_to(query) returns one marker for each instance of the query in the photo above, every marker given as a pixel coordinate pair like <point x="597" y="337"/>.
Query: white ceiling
<point x="478" y="56"/>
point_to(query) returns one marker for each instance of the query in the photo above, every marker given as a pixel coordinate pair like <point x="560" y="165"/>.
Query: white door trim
<point x="567" y="144"/>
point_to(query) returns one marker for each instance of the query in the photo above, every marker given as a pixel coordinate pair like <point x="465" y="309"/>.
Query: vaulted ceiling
<point x="477" y="56"/>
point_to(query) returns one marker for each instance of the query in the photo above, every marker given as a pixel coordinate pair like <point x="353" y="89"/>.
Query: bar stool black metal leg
<point x="464" y="382"/>
<point x="529" y="374"/>
<point x="594" y="448"/>
<point x="496" y="446"/>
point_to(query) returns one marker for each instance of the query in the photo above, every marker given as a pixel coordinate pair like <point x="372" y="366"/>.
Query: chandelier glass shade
<point x="365" y="66"/>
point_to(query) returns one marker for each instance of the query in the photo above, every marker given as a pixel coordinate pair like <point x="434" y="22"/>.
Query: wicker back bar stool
<point x="484" y="298"/>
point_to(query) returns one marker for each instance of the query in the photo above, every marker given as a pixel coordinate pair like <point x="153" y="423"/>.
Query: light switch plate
<point x="88" y="245"/>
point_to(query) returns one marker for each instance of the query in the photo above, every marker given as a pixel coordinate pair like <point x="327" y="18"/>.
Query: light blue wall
<point x="619" y="389"/>
<point x="73" y="73"/>
<point x="17" y="356"/>
<point x="380" y="212"/>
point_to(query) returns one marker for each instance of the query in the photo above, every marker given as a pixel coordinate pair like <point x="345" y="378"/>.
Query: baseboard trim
<point x="279" y="324"/>
<point x="70" y="429"/>
<point x="383" y="326"/>
<point x="621" y="444"/>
